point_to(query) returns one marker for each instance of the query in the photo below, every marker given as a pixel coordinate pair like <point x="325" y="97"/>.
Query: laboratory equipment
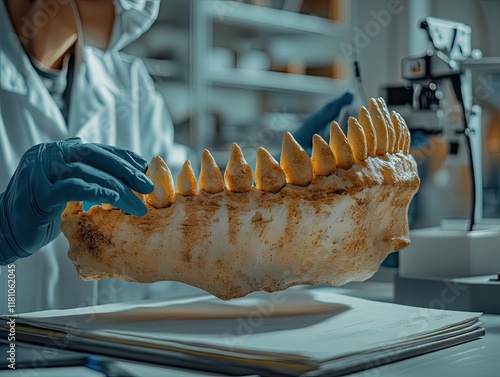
<point x="454" y="263"/>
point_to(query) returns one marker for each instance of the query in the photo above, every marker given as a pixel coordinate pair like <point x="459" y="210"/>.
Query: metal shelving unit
<point x="254" y="22"/>
<point x="276" y="81"/>
<point x="192" y="29"/>
<point x="270" y="20"/>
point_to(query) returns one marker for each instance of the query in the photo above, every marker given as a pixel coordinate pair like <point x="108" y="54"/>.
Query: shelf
<point x="276" y="81"/>
<point x="272" y="20"/>
<point x="490" y="64"/>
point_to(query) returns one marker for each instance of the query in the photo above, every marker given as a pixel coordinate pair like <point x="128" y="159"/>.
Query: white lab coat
<point x="113" y="102"/>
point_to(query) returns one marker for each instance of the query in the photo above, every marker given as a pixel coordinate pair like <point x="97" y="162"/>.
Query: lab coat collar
<point x="22" y="77"/>
<point x="10" y="43"/>
<point x="91" y="89"/>
<point x="90" y="93"/>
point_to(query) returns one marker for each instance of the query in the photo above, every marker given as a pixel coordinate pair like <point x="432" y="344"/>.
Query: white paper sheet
<point x="298" y="324"/>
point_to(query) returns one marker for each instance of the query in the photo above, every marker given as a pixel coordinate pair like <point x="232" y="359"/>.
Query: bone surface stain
<point x="337" y="229"/>
<point x="89" y="234"/>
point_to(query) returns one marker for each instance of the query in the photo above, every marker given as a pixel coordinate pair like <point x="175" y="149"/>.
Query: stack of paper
<point x="309" y="332"/>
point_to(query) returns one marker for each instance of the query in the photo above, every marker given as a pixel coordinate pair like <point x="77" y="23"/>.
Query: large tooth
<point x="407" y="145"/>
<point x="357" y="139"/>
<point x="322" y="157"/>
<point x="340" y="147"/>
<point x="186" y="180"/>
<point x="238" y="175"/>
<point x="380" y="127"/>
<point x="268" y="174"/>
<point x="210" y="175"/>
<point x="163" y="194"/>
<point x="398" y="128"/>
<point x="406" y="137"/>
<point x="366" y="122"/>
<point x="295" y="162"/>
<point x="391" y="134"/>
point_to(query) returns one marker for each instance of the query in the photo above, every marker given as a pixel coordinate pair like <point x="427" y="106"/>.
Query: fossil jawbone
<point x="339" y="228"/>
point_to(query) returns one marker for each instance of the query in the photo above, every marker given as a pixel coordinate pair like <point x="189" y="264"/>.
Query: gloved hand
<point x="321" y="118"/>
<point x="51" y="174"/>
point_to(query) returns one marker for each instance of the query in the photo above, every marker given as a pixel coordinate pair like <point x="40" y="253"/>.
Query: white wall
<point x="379" y="49"/>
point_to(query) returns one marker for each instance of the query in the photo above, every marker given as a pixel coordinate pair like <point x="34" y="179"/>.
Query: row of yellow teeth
<point x="375" y="133"/>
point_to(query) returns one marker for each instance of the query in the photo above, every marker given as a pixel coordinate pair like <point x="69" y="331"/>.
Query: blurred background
<point x="247" y="71"/>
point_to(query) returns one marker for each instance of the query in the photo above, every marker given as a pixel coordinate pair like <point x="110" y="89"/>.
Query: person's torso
<point x="103" y="111"/>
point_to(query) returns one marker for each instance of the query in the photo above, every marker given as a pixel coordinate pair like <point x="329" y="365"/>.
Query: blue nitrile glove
<point x="52" y="174"/>
<point x="419" y="139"/>
<point x="320" y="119"/>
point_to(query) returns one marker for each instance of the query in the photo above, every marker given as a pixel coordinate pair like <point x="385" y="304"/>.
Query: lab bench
<point x="474" y="358"/>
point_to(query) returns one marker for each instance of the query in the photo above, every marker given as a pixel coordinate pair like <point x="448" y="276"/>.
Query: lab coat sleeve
<point x="157" y="130"/>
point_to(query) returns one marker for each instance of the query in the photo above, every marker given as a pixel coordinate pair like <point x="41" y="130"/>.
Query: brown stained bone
<point x="379" y="126"/>
<point x="269" y="176"/>
<point x="398" y="129"/>
<point x="371" y="140"/>
<point x="163" y="194"/>
<point x="210" y="176"/>
<point x="295" y="162"/>
<point x="340" y="147"/>
<point x="238" y="175"/>
<point x="391" y="136"/>
<point x="186" y="180"/>
<point x="338" y="228"/>
<point x="357" y="139"/>
<point x="322" y="157"/>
